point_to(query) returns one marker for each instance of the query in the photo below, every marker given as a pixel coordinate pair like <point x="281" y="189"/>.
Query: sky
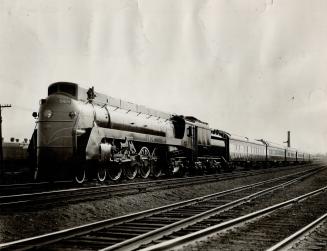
<point x="255" y="68"/>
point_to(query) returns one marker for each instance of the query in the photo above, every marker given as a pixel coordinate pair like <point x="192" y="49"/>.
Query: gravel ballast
<point x="18" y="225"/>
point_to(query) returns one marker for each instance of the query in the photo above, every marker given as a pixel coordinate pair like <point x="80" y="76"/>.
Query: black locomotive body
<point x="83" y="133"/>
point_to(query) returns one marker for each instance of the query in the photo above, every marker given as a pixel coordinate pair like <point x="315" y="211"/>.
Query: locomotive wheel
<point x="101" y="174"/>
<point x="114" y="172"/>
<point x="131" y="170"/>
<point x="155" y="166"/>
<point x="145" y="164"/>
<point x="80" y="175"/>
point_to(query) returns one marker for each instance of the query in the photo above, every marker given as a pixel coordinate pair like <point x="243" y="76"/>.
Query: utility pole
<point x="288" y="142"/>
<point x="1" y="149"/>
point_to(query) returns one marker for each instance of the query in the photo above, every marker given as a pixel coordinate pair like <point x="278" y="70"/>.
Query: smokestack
<point x="288" y="139"/>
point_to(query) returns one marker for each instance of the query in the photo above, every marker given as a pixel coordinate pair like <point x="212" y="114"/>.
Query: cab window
<point x="67" y="88"/>
<point x="62" y="87"/>
<point x="52" y="89"/>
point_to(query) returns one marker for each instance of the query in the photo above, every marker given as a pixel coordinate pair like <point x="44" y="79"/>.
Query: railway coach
<point x="14" y="153"/>
<point x="245" y="152"/>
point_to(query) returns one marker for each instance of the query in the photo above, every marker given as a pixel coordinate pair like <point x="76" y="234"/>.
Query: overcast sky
<point x="254" y="68"/>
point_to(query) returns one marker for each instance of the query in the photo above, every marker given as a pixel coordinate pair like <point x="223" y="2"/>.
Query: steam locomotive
<point x="83" y="134"/>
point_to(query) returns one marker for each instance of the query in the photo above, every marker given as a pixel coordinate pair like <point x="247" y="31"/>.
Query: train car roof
<point x="238" y="137"/>
<point x="272" y="144"/>
<point x="258" y="142"/>
<point x="245" y="139"/>
<point x="14" y="144"/>
<point x="224" y="134"/>
<point x="217" y="136"/>
<point x="194" y="120"/>
<point x="291" y="149"/>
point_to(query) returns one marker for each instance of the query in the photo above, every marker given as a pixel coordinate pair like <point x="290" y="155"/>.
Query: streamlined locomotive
<point x="81" y="133"/>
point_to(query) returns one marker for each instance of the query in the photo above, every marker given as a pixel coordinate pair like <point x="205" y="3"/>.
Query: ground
<point x="17" y="225"/>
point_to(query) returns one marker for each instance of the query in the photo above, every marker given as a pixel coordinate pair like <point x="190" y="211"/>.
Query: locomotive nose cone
<point x="57" y="118"/>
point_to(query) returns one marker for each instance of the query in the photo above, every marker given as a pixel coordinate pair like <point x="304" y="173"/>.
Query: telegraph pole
<point x="1" y="150"/>
<point x="288" y="142"/>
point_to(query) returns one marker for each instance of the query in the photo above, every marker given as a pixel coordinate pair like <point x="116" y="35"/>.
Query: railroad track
<point x="23" y="188"/>
<point x="44" y="199"/>
<point x="34" y="187"/>
<point x="265" y="229"/>
<point x="311" y="237"/>
<point x="132" y="231"/>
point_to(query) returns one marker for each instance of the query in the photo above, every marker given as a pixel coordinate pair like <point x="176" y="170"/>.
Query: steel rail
<point x="40" y="185"/>
<point x="80" y="194"/>
<point x="179" y="241"/>
<point x="45" y="239"/>
<point x="289" y="241"/>
<point x="14" y="188"/>
<point x="130" y="244"/>
<point x="7" y="200"/>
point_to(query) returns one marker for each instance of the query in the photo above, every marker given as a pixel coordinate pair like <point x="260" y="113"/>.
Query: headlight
<point x="72" y="115"/>
<point x="48" y="114"/>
